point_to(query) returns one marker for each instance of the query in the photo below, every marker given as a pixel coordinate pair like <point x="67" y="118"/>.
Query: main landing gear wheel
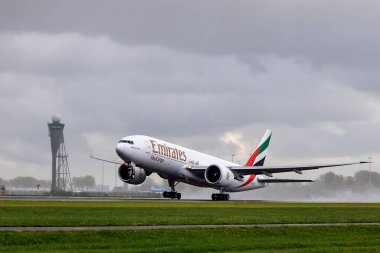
<point x="220" y="196"/>
<point x="172" y="194"/>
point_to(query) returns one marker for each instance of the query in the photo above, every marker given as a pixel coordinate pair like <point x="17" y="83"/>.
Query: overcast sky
<point x="209" y="75"/>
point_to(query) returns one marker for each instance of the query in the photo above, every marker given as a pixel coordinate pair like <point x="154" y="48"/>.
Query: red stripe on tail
<point x="253" y="157"/>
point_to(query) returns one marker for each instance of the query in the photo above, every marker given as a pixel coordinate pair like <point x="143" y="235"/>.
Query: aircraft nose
<point x="120" y="150"/>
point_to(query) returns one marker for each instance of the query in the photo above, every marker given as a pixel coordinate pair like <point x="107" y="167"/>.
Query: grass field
<point x="37" y="213"/>
<point x="284" y="239"/>
<point x="289" y="239"/>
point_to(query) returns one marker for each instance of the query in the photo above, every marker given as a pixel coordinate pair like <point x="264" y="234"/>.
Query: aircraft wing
<point x="269" y="170"/>
<point x="105" y="160"/>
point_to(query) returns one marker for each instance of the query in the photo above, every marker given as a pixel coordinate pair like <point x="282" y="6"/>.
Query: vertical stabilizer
<point x="258" y="156"/>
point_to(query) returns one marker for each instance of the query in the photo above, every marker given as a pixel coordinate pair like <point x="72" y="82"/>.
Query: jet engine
<point x="131" y="175"/>
<point x="219" y="175"/>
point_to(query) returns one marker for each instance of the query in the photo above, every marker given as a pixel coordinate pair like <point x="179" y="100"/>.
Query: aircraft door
<point x="148" y="147"/>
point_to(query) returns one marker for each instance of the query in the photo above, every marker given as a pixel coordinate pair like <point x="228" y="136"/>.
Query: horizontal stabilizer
<point x="284" y="180"/>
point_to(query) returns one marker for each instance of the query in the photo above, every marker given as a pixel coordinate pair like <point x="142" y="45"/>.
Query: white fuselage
<point x="173" y="161"/>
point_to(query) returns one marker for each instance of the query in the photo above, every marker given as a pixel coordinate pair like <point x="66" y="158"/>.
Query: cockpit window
<point x="126" y="141"/>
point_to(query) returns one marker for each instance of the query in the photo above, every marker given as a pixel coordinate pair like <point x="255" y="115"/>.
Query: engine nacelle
<point x="131" y="175"/>
<point x="219" y="175"/>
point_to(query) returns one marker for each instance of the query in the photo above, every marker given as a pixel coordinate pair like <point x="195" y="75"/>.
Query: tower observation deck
<point x="61" y="180"/>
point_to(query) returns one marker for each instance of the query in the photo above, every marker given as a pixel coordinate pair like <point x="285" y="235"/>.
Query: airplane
<point x="144" y="155"/>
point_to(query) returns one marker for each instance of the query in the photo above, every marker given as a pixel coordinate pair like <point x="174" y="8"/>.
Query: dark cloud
<point x="323" y="32"/>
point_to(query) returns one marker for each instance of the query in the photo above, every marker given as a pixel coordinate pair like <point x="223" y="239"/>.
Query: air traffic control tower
<point x="60" y="180"/>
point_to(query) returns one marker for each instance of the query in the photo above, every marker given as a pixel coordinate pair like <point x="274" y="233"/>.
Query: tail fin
<point x="258" y="156"/>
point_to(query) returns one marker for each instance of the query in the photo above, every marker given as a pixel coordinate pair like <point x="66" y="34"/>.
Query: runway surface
<point x="124" y="199"/>
<point x="112" y="199"/>
<point x="103" y="228"/>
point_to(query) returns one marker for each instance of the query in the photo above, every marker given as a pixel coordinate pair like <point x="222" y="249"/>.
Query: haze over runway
<point x="210" y="75"/>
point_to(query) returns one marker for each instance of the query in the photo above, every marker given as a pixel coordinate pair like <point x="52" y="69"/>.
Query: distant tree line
<point x="85" y="183"/>
<point x="25" y="182"/>
<point x="360" y="182"/>
<point x="79" y="183"/>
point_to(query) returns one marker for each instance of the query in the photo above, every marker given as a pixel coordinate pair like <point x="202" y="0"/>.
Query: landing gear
<point x="221" y="196"/>
<point x="172" y="194"/>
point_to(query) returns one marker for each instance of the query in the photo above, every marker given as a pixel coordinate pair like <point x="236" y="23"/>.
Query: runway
<point x="126" y="228"/>
<point x="113" y="199"/>
<point x="125" y="199"/>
